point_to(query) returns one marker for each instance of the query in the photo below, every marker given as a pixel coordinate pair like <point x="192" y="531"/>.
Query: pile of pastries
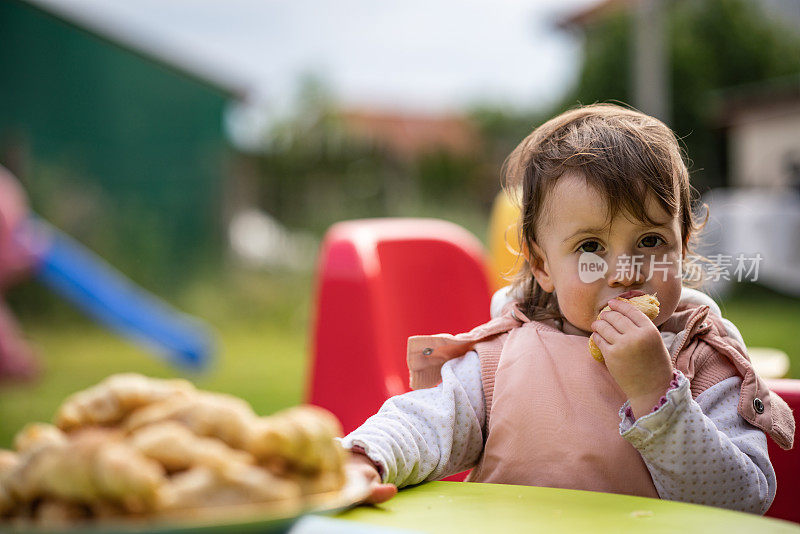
<point x="135" y="446"/>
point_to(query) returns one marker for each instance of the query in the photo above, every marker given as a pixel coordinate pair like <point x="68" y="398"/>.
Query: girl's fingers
<point x="621" y="323"/>
<point x="630" y="311"/>
<point x="599" y="341"/>
<point x="381" y="493"/>
<point x="378" y="492"/>
<point x="608" y="332"/>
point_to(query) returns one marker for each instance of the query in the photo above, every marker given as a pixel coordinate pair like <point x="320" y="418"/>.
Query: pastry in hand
<point x="113" y="399"/>
<point x="647" y="304"/>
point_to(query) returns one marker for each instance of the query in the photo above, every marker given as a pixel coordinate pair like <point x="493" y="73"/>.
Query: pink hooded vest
<point x="552" y="411"/>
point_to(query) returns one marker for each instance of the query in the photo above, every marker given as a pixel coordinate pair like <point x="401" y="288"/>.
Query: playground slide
<point x="77" y="274"/>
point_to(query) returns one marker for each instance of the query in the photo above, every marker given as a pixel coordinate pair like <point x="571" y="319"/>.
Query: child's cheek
<point x="578" y="303"/>
<point x="666" y="282"/>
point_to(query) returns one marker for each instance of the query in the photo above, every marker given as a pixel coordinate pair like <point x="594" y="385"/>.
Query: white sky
<point x="414" y="54"/>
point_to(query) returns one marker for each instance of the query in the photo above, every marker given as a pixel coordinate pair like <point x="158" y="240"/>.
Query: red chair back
<point x="380" y="281"/>
<point x="786" y="463"/>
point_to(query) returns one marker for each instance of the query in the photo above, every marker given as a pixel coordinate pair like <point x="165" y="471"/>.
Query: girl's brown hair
<point x="622" y="153"/>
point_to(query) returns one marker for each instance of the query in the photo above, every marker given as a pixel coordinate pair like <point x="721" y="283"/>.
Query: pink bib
<point x="554" y="419"/>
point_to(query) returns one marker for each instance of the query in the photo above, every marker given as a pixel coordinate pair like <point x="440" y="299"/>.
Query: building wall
<point x="765" y="146"/>
<point x="123" y="152"/>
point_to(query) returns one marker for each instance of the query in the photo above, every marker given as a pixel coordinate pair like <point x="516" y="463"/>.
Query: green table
<point x="487" y="508"/>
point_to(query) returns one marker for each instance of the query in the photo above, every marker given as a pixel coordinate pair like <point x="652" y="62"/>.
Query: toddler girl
<point x="675" y="411"/>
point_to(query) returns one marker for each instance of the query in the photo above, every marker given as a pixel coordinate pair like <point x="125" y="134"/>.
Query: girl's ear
<point x="540" y="268"/>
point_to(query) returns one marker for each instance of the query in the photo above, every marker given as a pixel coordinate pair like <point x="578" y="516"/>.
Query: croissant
<point x="200" y="487"/>
<point x="35" y="435"/>
<point x="206" y="414"/>
<point x="8" y="461"/>
<point x="138" y="445"/>
<point x="94" y="465"/>
<point x="303" y="436"/>
<point x="51" y="513"/>
<point x="178" y="448"/>
<point x="647" y="304"/>
<point x="114" y="398"/>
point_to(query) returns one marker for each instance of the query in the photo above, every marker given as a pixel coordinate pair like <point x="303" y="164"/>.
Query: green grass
<point x="262" y="322"/>
<point x="766" y="319"/>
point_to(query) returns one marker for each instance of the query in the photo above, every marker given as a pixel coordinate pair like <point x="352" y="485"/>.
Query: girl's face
<point x="587" y="264"/>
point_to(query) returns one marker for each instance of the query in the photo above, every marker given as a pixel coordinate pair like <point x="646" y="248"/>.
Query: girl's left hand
<point x="634" y="353"/>
<point x="359" y="465"/>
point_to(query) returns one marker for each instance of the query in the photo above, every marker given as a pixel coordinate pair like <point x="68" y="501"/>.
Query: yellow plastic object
<point x="503" y="231"/>
<point x="465" y="507"/>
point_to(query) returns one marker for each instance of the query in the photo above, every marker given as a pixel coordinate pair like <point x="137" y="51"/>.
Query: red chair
<point x="378" y="282"/>
<point x="786" y="463"/>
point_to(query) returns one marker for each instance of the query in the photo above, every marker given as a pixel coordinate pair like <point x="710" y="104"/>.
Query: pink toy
<point x="16" y="262"/>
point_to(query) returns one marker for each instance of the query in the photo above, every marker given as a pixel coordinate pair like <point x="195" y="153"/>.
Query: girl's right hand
<point x="360" y="465"/>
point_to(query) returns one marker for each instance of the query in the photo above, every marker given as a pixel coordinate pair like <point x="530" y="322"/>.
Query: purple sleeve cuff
<point x="672" y="385"/>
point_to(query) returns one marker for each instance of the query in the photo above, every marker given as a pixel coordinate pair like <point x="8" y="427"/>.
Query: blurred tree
<point x="443" y="176"/>
<point x="713" y="45"/>
<point x="316" y="168"/>
<point x="313" y="172"/>
<point x="501" y="130"/>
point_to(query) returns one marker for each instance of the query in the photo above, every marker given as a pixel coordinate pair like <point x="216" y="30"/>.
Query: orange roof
<point x="587" y="15"/>
<point x="409" y="134"/>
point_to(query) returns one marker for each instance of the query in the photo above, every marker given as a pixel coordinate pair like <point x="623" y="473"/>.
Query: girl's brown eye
<point x="591" y="244"/>
<point x="651" y="241"/>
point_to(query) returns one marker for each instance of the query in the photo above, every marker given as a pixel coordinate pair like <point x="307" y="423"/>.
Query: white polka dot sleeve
<point x="430" y="433"/>
<point x="702" y="451"/>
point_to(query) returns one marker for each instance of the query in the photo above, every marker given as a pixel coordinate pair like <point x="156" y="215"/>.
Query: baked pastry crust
<point x="139" y="446"/>
<point x="647" y="304"/>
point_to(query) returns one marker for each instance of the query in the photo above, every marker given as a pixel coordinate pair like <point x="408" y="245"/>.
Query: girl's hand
<point x="634" y="353"/>
<point x="360" y="465"/>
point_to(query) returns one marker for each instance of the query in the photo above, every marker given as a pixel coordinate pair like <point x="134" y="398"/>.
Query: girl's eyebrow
<point x="583" y="231"/>
<point x="590" y="230"/>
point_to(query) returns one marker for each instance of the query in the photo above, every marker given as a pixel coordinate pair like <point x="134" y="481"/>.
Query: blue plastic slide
<point x="79" y="275"/>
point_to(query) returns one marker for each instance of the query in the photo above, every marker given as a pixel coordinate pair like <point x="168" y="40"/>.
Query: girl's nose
<point x="627" y="270"/>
